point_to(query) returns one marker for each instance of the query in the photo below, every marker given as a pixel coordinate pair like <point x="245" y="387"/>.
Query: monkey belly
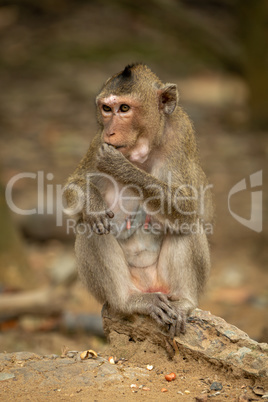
<point x="147" y="279"/>
<point x="142" y="248"/>
<point x="141" y="251"/>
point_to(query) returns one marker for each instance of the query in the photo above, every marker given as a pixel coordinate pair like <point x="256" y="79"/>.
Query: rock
<point x="201" y="398"/>
<point x="54" y="372"/>
<point x="216" y="386"/>
<point x="259" y="391"/>
<point x="23" y="356"/>
<point x="243" y="398"/>
<point x="108" y="373"/>
<point x="119" y="330"/>
<point x="209" y="341"/>
<point x="213" y="339"/>
<point x="207" y="337"/>
<point x="6" y="376"/>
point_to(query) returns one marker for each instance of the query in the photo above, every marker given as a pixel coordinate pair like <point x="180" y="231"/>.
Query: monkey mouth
<point x="116" y="146"/>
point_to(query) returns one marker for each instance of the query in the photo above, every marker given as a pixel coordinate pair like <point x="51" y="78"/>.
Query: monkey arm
<point x="83" y="200"/>
<point x="85" y="203"/>
<point x="178" y="200"/>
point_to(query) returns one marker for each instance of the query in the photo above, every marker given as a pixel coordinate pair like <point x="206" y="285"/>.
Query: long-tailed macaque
<point x="141" y="202"/>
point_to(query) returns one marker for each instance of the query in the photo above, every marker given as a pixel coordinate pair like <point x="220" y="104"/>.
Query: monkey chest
<point x="137" y="233"/>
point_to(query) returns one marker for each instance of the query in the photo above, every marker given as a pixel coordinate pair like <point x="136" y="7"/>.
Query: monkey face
<point x="132" y="110"/>
<point x="121" y="118"/>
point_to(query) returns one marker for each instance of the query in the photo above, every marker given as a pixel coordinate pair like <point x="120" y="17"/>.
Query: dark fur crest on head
<point x="124" y="81"/>
<point x="127" y="71"/>
<point x="133" y="79"/>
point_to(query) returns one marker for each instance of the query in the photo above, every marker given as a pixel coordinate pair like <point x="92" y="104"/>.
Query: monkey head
<point x="132" y="109"/>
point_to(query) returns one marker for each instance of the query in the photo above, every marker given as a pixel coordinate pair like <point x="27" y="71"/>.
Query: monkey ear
<point x="168" y="98"/>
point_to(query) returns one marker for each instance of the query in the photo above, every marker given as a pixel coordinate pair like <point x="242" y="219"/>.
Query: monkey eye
<point x="124" y="108"/>
<point x="106" y="108"/>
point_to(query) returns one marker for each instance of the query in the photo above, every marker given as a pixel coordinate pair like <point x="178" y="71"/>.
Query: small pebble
<point x="145" y="388"/>
<point x="164" y="390"/>
<point x="187" y="392"/>
<point x="134" y="388"/>
<point x="258" y="391"/>
<point x="201" y="398"/>
<point x="71" y="354"/>
<point x="216" y="386"/>
<point x="170" y="377"/>
<point x="243" y="398"/>
<point x="215" y="394"/>
<point x="149" y="367"/>
<point x="6" y="376"/>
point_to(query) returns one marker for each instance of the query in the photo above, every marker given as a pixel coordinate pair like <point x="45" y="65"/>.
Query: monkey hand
<point x="110" y="160"/>
<point x="158" y="307"/>
<point x="183" y="308"/>
<point x="98" y="222"/>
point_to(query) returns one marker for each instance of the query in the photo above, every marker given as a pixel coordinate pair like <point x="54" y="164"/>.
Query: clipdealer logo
<point x="255" y="221"/>
<point x="50" y="198"/>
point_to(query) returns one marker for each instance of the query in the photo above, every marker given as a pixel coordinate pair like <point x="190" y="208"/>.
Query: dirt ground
<point x="131" y="380"/>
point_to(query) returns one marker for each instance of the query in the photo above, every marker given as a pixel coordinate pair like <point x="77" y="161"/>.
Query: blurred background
<point x="54" y="57"/>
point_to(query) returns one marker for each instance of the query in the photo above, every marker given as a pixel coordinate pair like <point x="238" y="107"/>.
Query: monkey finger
<point x="172" y="329"/>
<point x="167" y="307"/>
<point x="164" y="299"/>
<point x="102" y="148"/>
<point x="108" y="148"/>
<point x="95" y="229"/>
<point x="99" y="156"/>
<point x="183" y="327"/>
<point x="110" y="213"/>
<point x="181" y="324"/>
<point x="101" y="152"/>
<point x="168" y="311"/>
<point x="163" y="316"/>
<point x="99" y="228"/>
<point x="106" y="224"/>
<point x="156" y="317"/>
<point x="105" y="148"/>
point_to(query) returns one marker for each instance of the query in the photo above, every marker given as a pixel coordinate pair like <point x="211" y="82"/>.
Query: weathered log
<point x="42" y="302"/>
<point x="207" y="337"/>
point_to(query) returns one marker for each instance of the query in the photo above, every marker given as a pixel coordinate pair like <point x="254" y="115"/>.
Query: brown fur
<point x="150" y="152"/>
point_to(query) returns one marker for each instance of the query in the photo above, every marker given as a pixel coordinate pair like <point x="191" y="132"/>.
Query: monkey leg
<point x="184" y="264"/>
<point x="103" y="268"/>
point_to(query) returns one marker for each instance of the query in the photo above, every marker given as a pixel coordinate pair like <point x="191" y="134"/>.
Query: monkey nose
<point x="110" y="134"/>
